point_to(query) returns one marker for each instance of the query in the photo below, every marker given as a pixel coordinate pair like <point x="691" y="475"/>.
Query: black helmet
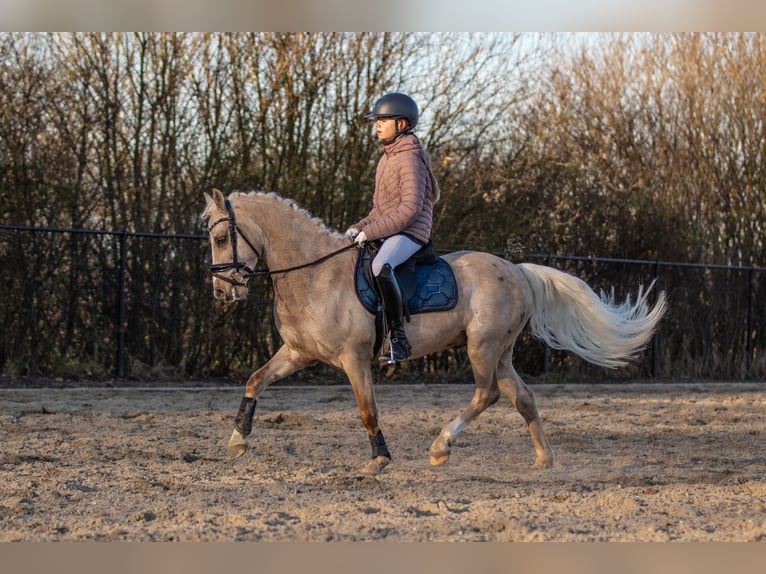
<point x="395" y="105"/>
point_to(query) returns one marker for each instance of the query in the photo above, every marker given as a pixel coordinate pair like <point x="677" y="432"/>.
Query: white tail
<point x="569" y="316"/>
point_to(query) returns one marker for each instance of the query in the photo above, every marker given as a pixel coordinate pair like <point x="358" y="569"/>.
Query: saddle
<point x="426" y="281"/>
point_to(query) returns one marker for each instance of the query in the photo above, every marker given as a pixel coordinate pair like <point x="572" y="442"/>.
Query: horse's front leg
<point x="284" y="362"/>
<point x="360" y="377"/>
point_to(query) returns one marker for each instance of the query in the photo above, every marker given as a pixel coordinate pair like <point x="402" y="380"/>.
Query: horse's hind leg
<point x="486" y="394"/>
<point x="523" y="399"/>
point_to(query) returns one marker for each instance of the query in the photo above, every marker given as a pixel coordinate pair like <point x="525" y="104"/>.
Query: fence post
<point x="749" y="344"/>
<point x="120" y="370"/>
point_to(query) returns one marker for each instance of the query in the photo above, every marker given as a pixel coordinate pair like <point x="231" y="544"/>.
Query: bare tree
<point x="641" y="146"/>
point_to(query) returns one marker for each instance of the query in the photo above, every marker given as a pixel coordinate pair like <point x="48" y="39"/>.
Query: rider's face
<point x="385" y="128"/>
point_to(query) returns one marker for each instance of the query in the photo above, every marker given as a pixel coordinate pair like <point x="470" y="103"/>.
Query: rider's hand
<point x="352" y="232"/>
<point x="360" y="239"/>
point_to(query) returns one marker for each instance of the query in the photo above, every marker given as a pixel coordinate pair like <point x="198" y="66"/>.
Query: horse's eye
<point x="221" y="240"/>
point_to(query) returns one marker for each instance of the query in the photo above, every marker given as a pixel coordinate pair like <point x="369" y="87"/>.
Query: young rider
<point x="402" y="206"/>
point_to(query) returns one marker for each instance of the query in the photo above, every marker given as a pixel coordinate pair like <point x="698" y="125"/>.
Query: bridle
<point x="242" y="271"/>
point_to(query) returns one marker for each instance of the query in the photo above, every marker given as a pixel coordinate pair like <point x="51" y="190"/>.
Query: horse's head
<point x="231" y="268"/>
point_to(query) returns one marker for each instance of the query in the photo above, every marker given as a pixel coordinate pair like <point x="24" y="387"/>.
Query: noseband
<point x="242" y="271"/>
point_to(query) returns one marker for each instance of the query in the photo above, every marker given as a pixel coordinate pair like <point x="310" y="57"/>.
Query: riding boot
<point x="393" y="307"/>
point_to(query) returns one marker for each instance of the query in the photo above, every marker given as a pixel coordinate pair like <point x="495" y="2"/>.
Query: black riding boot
<point x="392" y="304"/>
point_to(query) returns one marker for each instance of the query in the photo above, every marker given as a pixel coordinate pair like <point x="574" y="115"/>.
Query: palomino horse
<point x="320" y="319"/>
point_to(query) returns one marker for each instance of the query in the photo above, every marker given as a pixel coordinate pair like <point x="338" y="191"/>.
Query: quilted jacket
<point x="402" y="202"/>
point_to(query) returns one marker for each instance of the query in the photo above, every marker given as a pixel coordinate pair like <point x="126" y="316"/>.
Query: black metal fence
<point x="81" y="303"/>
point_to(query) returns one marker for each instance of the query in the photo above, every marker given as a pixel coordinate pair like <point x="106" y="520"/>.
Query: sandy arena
<point x="635" y="462"/>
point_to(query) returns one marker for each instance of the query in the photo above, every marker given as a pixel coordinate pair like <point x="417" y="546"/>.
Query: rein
<point x="242" y="272"/>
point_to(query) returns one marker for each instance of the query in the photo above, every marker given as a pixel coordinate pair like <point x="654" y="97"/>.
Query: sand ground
<point x="635" y="462"/>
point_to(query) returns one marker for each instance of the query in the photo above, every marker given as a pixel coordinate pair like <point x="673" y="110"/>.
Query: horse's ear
<point x="217" y="200"/>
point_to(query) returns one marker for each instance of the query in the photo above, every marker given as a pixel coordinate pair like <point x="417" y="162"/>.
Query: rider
<point x="402" y="206"/>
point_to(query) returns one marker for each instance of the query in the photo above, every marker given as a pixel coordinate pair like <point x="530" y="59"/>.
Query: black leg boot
<point x="392" y="304"/>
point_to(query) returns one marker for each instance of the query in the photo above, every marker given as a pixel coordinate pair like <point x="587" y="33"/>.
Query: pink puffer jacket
<point x="402" y="202"/>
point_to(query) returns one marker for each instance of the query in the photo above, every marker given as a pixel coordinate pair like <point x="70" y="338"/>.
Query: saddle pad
<point x="434" y="287"/>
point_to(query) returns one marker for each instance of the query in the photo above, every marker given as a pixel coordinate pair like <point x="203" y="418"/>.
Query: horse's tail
<point x="568" y="315"/>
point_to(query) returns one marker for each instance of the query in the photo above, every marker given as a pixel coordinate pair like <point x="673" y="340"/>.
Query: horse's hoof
<point x="440" y="459"/>
<point x="440" y="450"/>
<point x="236" y="450"/>
<point x="545" y="461"/>
<point x="376" y="466"/>
<point x="237" y="445"/>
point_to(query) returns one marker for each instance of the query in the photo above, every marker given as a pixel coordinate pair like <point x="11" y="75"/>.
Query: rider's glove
<point x="352" y="232"/>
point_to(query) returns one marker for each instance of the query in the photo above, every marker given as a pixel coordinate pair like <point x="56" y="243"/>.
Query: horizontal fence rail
<point x="82" y="302"/>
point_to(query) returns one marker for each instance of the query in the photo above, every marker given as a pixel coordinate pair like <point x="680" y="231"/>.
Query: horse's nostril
<point x="218" y="293"/>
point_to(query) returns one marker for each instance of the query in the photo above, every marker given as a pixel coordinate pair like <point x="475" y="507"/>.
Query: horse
<point x="320" y="319"/>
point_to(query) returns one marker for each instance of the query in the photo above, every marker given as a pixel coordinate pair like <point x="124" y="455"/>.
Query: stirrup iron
<point x="398" y="347"/>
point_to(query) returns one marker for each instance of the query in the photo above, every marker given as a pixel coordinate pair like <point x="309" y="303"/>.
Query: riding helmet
<point x="395" y="105"/>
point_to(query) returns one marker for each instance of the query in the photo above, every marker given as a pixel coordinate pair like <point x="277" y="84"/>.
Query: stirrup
<point x="402" y="352"/>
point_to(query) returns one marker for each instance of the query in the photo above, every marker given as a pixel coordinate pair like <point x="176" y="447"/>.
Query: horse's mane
<point x="288" y="205"/>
